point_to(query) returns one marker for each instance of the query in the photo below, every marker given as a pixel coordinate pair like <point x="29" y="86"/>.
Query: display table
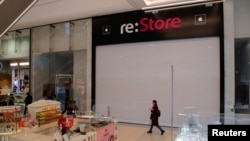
<point x="95" y="131"/>
<point x="105" y="133"/>
<point x="30" y="137"/>
<point x="42" y="133"/>
<point x="45" y="118"/>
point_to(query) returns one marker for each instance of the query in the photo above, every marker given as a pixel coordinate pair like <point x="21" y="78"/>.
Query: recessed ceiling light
<point x="23" y="63"/>
<point x="14" y="64"/>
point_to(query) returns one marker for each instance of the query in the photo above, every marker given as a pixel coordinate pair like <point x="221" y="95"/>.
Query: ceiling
<point x="54" y="11"/>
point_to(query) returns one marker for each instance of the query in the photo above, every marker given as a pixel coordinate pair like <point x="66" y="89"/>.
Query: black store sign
<point x="138" y="26"/>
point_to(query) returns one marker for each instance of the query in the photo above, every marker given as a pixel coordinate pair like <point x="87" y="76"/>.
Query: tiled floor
<point x="134" y="132"/>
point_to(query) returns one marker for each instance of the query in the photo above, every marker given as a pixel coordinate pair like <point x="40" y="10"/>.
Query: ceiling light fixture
<point x="23" y="63"/>
<point x="14" y="64"/>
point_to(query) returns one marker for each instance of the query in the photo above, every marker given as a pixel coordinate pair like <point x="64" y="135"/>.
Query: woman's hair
<point x="155" y="101"/>
<point x="63" y="112"/>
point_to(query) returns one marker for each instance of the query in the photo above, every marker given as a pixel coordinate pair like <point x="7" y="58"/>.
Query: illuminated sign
<point x="139" y="26"/>
<point x="150" y="24"/>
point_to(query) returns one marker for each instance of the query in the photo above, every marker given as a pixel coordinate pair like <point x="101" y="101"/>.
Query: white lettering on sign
<point x="150" y="24"/>
<point x="216" y="132"/>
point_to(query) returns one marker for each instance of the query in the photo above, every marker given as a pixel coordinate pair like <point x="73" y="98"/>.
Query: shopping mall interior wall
<point x="242" y="54"/>
<point x="235" y="14"/>
<point x="177" y="73"/>
<point x="241" y="18"/>
<point x="62" y="50"/>
<point x="14" y="47"/>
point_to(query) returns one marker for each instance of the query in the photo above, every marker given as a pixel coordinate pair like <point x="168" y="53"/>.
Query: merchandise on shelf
<point x="48" y="116"/>
<point x="9" y="118"/>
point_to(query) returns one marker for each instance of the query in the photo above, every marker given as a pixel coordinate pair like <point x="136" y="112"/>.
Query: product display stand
<point x="95" y="129"/>
<point x="102" y="131"/>
<point x="9" y="120"/>
<point x="82" y="128"/>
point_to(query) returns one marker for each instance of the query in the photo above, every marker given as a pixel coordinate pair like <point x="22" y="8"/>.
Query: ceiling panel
<point x="53" y="11"/>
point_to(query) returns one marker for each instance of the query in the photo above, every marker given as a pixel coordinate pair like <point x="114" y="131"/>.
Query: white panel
<point x="130" y="76"/>
<point x="60" y="37"/>
<point x="80" y="32"/>
<point x="40" y="39"/>
<point x="229" y="67"/>
<point x="241" y="18"/>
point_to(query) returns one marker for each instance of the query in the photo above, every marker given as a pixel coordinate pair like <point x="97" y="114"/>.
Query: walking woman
<point x="154" y="117"/>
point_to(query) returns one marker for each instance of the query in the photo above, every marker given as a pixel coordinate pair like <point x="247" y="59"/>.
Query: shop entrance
<point x="130" y="76"/>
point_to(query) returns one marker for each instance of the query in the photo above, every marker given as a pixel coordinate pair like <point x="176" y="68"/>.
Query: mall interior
<point x="105" y="64"/>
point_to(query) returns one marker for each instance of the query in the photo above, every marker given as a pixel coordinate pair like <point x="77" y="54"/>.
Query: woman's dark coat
<point x="154" y="116"/>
